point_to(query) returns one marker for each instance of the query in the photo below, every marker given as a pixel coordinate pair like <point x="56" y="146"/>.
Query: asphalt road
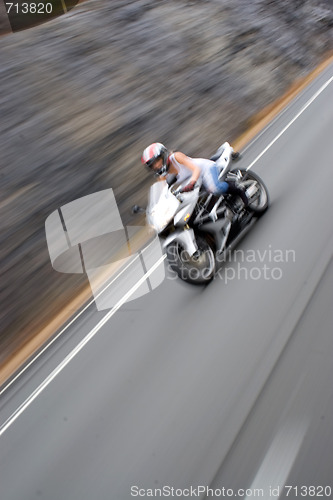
<point x="225" y="386"/>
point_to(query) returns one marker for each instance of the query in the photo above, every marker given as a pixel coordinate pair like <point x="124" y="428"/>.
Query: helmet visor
<point x="157" y="165"/>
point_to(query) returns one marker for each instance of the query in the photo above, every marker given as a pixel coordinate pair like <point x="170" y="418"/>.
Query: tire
<point x="260" y="202"/>
<point x="195" y="270"/>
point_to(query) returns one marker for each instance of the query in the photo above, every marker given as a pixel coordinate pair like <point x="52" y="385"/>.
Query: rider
<point x="162" y="162"/>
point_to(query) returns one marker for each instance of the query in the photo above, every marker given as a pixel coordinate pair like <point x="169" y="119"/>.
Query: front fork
<point x="185" y="237"/>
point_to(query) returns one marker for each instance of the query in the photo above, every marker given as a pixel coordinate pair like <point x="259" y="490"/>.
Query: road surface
<point x="227" y="386"/>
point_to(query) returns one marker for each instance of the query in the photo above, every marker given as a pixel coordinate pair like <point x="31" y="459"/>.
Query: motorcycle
<point x="198" y="228"/>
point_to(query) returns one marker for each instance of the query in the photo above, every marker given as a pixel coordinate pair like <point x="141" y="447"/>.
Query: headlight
<point x="157" y="220"/>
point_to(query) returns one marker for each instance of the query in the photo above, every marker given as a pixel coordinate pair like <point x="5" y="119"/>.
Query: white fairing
<point x="185" y="238"/>
<point x="162" y="206"/>
<point x="223" y="161"/>
<point x="189" y="201"/>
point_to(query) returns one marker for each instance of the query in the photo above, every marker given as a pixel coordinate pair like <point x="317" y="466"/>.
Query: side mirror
<point x="138" y="210"/>
<point x="171" y="179"/>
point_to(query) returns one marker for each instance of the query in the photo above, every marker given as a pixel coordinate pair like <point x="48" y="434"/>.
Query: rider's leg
<point x="214" y="185"/>
<point x="212" y="182"/>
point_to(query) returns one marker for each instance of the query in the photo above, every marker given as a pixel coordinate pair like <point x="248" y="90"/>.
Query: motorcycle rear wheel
<point x="198" y="269"/>
<point x="259" y="202"/>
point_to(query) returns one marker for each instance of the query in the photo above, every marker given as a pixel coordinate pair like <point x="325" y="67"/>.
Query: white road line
<point x="276" y="466"/>
<point x="278" y="116"/>
<point x="29" y="400"/>
<point x="18" y="375"/>
<point x="310" y="101"/>
<point x="76" y="350"/>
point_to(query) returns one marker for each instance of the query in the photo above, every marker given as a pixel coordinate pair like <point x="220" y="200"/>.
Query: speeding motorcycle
<point x="196" y="227"/>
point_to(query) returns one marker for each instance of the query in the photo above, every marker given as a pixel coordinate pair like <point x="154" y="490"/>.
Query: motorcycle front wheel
<point x="197" y="269"/>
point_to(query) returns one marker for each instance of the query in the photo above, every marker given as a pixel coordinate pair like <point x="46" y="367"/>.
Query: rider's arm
<point x="187" y="162"/>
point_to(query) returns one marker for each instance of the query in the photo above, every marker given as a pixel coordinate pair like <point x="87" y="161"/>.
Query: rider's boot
<point x="235" y="155"/>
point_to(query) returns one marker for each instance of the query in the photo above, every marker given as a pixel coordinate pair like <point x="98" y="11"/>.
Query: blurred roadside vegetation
<point x="82" y="95"/>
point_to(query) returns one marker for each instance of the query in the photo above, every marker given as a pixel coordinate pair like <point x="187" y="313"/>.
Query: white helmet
<point x="152" y="153"/>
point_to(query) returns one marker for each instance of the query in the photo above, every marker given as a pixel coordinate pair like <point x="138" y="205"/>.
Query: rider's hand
<point x="189" y="187"/>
